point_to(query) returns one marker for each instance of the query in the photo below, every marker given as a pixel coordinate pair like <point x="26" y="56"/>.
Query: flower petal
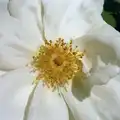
<point x="109" y="38"/>
<point x="115" y="84"/>
<point x="8" y="26"/>
<point x="15" y="87"/>
<point x="106" y="102"/>
<point x="102" y="50"/>
<point x="103" y="74"/>
<point x="54" y="12"/>
<point x="81" y="88"/>
<point x="18" y="37"/>
<point x="78" y="19"/>
<point x="47" y="105"/>
<point x="2" y="73"/>
<point x="103" y="104"/>
<point x="3" y="6"/>
<point x="27" y="12"/>
<point x="13" y="53"/>
<point x="101" y="44"/>
<point x="81" y="110"/>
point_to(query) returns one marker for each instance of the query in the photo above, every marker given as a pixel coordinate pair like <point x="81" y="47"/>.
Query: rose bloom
<point x="59" y="60"/>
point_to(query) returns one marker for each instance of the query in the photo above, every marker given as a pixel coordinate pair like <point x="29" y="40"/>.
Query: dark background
<point x="111" y="13"/>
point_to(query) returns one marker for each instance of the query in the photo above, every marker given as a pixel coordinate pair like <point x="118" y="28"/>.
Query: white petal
<point x="53" y="13"/>
<point x="81" y="88"/>
<point x="103" y="104"/>
<point x="78" y="19"/>
<point x="18" y="37"/>
<point x="14" y="7"/>
<point x="13" y="53"/>
<point x="106" y="103"/>
<point x="27" y="12"/>
<point x="102" y="50"/>
<point x="108" y="37"/>
<point x="103" y="74"/>
<point x="80" y="110"/>
<point x="115" y="84"/>
<point x="15" y="87"/>
<point x="47" y="105"/>
<point x="8" y="25"/>
<point x="3" y="6"/>
<point x="101" y="45"/>
<point x="2" y="73"/>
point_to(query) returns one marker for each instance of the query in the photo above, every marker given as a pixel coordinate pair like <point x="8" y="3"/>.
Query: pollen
<point x="56" y="63"/>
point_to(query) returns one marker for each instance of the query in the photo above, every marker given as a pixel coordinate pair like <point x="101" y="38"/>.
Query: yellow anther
<point x="56" y="63"/>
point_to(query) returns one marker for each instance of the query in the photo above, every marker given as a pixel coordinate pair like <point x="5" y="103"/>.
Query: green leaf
<point x="109" y="18"/>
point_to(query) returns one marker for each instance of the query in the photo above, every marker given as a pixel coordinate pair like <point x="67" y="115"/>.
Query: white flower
<point x="21" y="33"/>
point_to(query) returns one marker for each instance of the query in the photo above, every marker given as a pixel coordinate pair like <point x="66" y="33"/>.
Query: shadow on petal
<point x="71" y="117"/>
<point x="80" y="87"/>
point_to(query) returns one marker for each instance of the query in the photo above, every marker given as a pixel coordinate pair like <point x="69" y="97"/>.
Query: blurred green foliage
<point x="111" y="13"/>
<point x="109" y="18"/>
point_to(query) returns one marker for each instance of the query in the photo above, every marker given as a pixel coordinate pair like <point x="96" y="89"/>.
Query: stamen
<point x="56" y="63"/>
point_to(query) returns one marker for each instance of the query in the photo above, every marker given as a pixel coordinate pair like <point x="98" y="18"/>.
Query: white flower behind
<point x="21" y="33"/>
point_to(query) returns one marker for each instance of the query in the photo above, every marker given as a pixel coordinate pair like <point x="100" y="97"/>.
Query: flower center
<point x="56" y="63"/>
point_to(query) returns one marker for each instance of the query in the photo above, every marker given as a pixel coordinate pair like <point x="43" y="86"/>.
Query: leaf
<point x="109" y="18"/>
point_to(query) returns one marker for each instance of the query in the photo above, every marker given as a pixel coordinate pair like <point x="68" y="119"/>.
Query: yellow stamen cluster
<point x="56" y="62"/>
